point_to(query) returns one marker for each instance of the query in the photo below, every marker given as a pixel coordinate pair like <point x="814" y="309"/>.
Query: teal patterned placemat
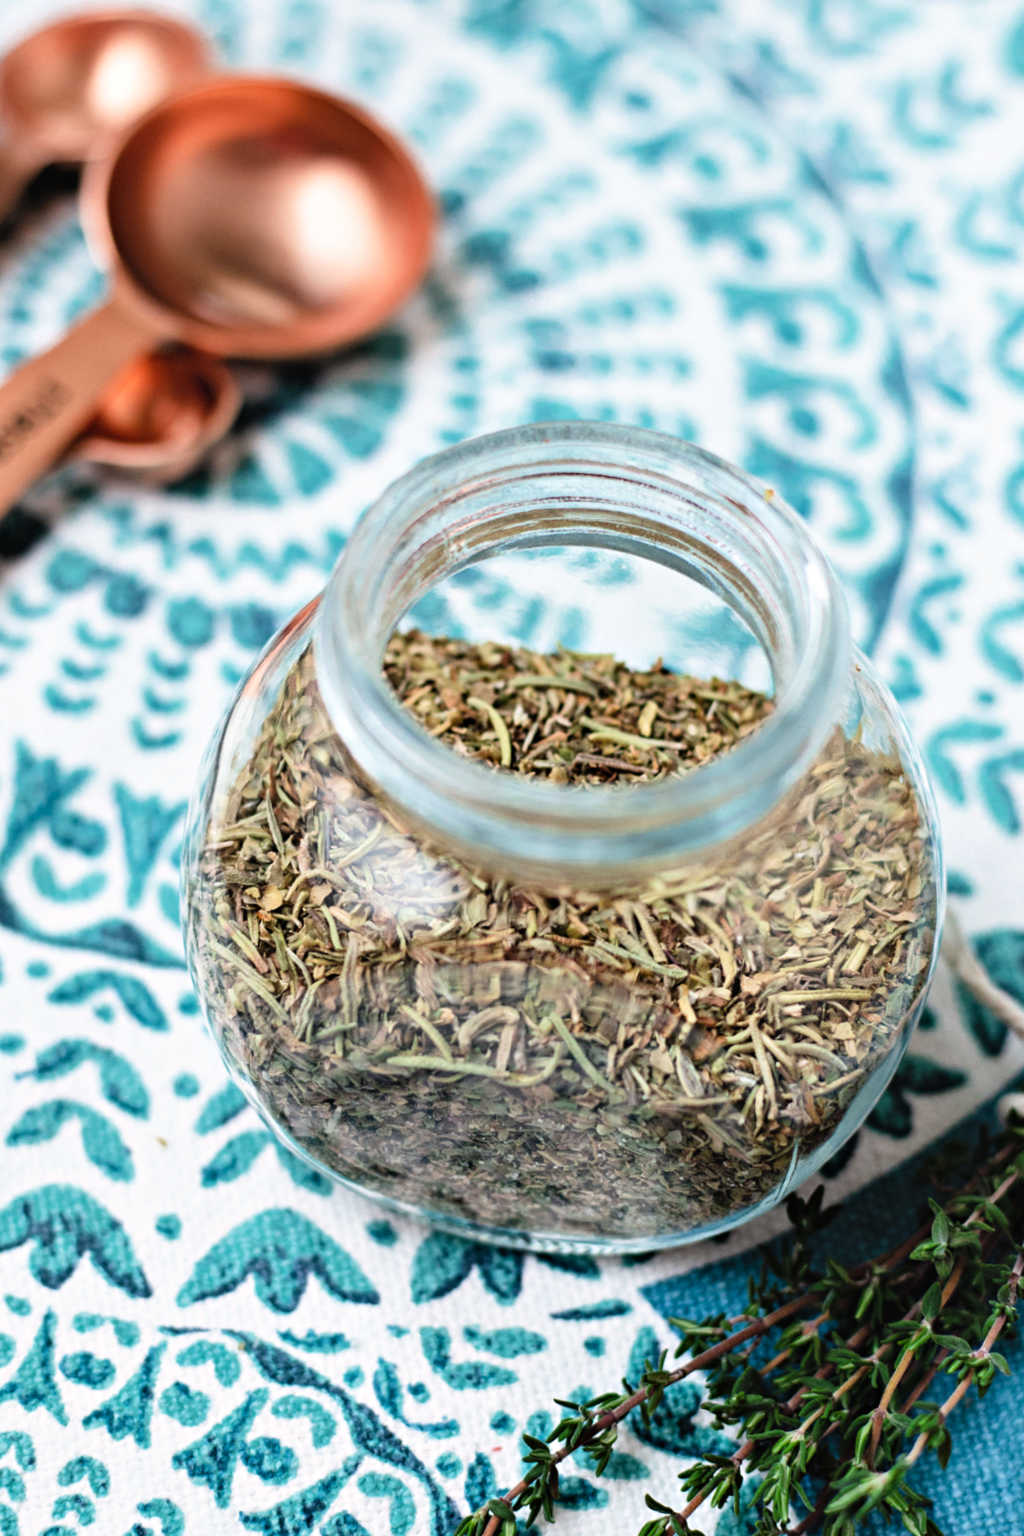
<point x="791" y="231"/>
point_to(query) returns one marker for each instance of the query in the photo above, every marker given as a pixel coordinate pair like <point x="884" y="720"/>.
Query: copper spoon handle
<point x="46" y="402"/>
<point x="16" y="169"/>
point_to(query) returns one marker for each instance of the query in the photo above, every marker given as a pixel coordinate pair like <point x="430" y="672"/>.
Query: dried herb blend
<point x="632" y="1063"/>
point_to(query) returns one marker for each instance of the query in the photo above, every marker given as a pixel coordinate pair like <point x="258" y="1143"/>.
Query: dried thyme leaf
<point x="633" y="1063"/>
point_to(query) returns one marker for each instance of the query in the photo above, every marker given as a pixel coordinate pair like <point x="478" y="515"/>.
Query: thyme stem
<point x="824" y="1402"/>
<point x="981" y="1353"/>
<point x="701" y="1362"/>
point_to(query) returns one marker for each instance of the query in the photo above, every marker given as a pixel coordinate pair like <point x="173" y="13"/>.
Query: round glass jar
<point x="600" y="1018"/>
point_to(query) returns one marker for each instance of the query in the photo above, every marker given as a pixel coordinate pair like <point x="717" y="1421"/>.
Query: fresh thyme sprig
<point x="823" y="1375"/>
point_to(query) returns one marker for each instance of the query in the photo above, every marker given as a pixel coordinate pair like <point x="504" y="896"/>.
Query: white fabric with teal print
<point x="792" y="231"/>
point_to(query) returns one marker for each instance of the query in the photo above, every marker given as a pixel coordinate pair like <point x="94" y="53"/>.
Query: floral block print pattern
<point x="791" y="231"/>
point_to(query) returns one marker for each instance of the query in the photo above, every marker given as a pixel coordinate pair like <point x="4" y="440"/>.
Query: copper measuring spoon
<point x="67" y="89"/>
<point x="161" y="414"/>
<point x="248" y="217"/>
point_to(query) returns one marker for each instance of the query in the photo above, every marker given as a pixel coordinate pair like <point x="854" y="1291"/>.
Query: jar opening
<point x="560" y="600"/>
<point x="597" y="486"/>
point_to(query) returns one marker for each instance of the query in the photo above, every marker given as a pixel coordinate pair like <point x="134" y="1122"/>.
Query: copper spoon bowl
<point x="69" y="88"/>
<point x="161" y="414"/>
<point x="247" y="217"/>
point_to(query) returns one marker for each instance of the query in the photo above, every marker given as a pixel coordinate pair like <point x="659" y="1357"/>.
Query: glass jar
<point x="597" y="1018"/>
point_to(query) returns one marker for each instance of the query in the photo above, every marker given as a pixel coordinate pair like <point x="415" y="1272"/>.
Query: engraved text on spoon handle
<point x="47" y="401"/>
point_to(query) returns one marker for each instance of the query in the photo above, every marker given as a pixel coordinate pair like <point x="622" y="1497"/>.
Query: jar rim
<point x="602" y="482"/>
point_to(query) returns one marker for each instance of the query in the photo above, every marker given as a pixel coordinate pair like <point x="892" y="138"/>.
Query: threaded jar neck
<point x="617" y="488"/>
